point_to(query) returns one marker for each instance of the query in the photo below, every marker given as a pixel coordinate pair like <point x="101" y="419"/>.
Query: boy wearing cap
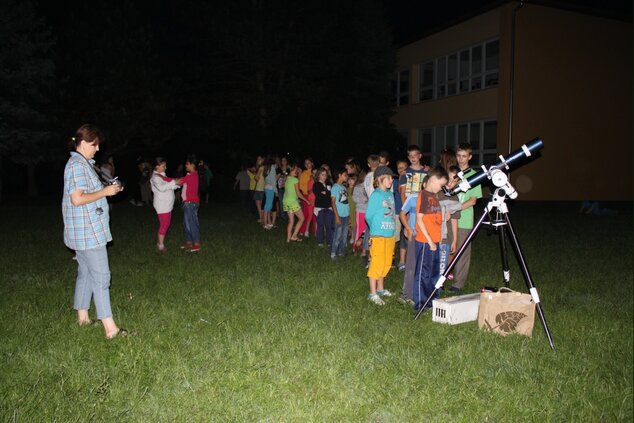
<point x="381" y="225"/>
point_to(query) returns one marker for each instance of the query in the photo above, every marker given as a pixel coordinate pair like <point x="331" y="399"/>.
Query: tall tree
<point x="26" y="79"/>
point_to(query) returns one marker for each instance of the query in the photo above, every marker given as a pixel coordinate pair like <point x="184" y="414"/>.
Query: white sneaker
<point x="384" y="293"/>
<point x="376" y="299"/>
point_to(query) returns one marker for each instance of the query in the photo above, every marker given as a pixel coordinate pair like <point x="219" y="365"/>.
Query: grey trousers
<point x="461" y="269"/>
<point x="410" y="270"/>
<point x="93" y="281"/>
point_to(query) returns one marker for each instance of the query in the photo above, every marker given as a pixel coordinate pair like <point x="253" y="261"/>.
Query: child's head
<point x="160" y="164"/>
<point x="352" y="166"/>
<point x="447" y="158"/>
<point x="373" y="162"/>
<point x="295" y="169"/>
<point x="452" y="172"/>
<point x="352" y="179"/>
<point x="341" y="176"/>
<point x="383" y="177"/>
<point x="463" y="155"/>
<point x="436" y="178"/>
<point x="190" y="163"/>
<point x="413" y="154"/>
<point x="309" y="164"/>
<point x="322" y="175"/>
<point x="401" y="167"/>
<point x="384" y="158"/>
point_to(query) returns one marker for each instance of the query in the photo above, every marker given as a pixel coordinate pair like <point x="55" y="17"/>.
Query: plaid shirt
<point x="85" y="226"/>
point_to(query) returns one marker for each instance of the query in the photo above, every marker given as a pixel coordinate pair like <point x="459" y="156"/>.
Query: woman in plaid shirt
<point x="87" y="228"/>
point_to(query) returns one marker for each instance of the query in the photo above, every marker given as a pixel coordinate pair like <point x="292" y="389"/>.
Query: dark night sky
<point x="412" y="18"/>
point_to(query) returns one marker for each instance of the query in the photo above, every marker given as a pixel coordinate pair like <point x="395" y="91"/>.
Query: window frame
<point x="475" y="79"/>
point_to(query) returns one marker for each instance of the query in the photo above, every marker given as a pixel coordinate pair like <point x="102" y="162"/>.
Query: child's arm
<point x="299" y="194"/>
<point x="405" y="222"/>
<point x="401" y="190"/>
<point x="470" y="202"/>
<point x="420" y="226"/>
<point x="373" y="205"/>
<point x="161" y="184"/>
<point x="334" y="209"/>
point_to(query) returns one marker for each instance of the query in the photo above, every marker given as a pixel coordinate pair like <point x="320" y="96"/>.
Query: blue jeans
<point x="426" y="274"/>
<point x="338" y="246"/>
<point x="325" y="219"/>
<point x="93" y="281"/>
<point x="190" y="222"/>
<point x="280" y="207"/>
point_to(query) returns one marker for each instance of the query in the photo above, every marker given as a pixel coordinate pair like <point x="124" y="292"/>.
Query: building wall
<point x="573" y="88"/>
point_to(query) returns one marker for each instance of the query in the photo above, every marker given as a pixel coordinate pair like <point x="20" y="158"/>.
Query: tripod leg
<point x="443" y="277"/>
<point x="506" y="272"/>
<point x="529" y="281"/>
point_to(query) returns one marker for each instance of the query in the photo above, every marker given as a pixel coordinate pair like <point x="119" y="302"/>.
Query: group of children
<point x="381" y="210"/>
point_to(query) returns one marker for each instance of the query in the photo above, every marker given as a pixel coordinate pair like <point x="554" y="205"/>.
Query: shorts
<point x="404" y="242"/>
<point x="258" y="195"/>
<point x="381" y="255"/>
<point x="292" y="208"/>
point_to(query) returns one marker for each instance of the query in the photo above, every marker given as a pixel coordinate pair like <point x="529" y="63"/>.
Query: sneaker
<point x="195" y="247"/>
<point x="374" y="298"/>
<point x="454" y="289"/>
<point x="405" y="301"/>
<point x="186" y="246"/>
<point x="320" y="245"/>
<point x="384" y="293"/>
<point x="401" y="267"/>
<point x="333" y="257"/>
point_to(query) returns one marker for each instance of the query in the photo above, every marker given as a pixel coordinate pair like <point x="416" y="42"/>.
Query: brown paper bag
<point x="506" y="312"/>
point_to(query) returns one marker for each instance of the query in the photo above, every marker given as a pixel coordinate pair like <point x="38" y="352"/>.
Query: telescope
<point x="503" y="165"/>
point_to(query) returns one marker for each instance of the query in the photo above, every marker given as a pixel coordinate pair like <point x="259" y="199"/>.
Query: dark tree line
<point x="309" y="77"/>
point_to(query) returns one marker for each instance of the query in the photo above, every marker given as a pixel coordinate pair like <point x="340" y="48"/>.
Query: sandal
<point x="122" y="333"/>
<point x="297" y="240"/>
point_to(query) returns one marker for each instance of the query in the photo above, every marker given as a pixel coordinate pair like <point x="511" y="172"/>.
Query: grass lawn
<point x="251" y="329"/>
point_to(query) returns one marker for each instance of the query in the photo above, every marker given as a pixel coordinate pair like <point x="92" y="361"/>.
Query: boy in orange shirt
<point x="428" y="235"/>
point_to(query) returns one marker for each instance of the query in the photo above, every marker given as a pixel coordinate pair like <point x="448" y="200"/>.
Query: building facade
<point x="572" y="87"/>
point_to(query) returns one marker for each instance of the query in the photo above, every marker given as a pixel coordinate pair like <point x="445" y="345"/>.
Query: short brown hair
<point x="465" y="146"/>
<point x="438" y="171"/>
<point x="87" y="132"/>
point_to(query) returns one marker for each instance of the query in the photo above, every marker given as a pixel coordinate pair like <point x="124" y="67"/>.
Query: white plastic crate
<point x="455" y="310"/>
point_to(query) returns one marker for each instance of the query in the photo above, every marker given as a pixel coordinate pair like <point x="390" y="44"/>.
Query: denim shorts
<point x="258" y="195"/>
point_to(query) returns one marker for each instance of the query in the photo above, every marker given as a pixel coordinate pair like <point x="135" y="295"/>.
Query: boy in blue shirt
<point x="381" y="226"/>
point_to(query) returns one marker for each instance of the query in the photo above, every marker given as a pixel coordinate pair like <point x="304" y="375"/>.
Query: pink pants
<point x="360" y="218"/>
<point x="164" y="222"/>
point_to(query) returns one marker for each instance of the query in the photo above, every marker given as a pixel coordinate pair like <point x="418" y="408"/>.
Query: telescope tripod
<point x="502" y="223"/>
